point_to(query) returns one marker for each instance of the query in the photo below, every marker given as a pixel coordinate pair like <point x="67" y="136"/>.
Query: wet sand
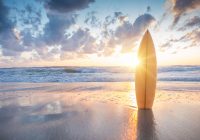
<point x="97" y="111"/>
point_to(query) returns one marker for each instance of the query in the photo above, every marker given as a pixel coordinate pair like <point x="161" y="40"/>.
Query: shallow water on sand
<point x="88" y="111"/>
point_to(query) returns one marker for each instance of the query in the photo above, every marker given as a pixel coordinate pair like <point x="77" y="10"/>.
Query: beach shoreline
<point x="97" y="110"/>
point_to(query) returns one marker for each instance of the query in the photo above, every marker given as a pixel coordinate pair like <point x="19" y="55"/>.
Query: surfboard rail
<point x="146" y="73"/>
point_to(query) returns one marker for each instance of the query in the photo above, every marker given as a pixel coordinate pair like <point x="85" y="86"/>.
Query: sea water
<point x="95" y="74"/>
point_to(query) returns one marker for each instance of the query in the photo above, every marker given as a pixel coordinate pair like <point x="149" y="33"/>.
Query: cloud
<point x="5" y="23"/>
<point x="29" y="9"/>
<point x="81" y="40"/>
<point x="57" y="36"/>
<point x="13" y="40"/>
<point x="10" y="46"/>
<point x="92" y="20"/>
<point x="190" y="23"/>
<point x="112" y="20"/>
<point x="148" y="8"/>
<point x="168" y="44"/>
<point x="190" y="39"/>
<point x="127" y="34"/>
<point x="67" y="5"/>
<point x="16" y="33"/>
<point x="28" y="15"/>
<point x="124" y="31"/>
<point x="61" y="16"/>
<point x="182" y="7"/>
<point x="142" y="23"/>
<point x="54" y="31"/>
<point x="192" y="36"/>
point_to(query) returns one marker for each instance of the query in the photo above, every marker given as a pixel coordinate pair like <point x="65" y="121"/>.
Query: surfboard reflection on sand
<point x="145" y="125"/>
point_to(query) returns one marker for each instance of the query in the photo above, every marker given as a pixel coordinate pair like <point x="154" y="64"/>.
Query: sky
<point x="97" y="32"/>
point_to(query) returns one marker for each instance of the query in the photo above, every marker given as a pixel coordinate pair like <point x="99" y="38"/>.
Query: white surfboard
<point x="146" y="73"/>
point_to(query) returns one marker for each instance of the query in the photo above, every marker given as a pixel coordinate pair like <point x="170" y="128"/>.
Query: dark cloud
<point x="67" y="5"/>
<point x="181" y="7"/>
<point x="29" y="8"/>
<point x="92" y="20"/>
<point x="148" y="8"/>
<point x="142" y="23"/>
<point x="109" y="20"/>
<point x="190" y="23"/>
<point x="5" y="23"/>
<point x="120" y="16"/>
<point x="54" y="31"/>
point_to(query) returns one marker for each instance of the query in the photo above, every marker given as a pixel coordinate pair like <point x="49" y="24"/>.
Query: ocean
<point x="94" y="74"/>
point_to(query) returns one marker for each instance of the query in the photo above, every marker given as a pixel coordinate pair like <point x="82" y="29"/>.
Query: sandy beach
<point x="97" y="111"/>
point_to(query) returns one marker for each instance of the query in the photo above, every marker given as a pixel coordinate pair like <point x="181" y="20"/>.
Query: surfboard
<point x="146" y="73"/>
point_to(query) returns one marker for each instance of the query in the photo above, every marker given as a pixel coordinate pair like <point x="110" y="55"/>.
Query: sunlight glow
<point x="129" y="60"/>
<point x="136" y="62"/>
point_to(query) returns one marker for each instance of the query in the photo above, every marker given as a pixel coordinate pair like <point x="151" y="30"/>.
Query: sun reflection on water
<point x="132" y="97"/>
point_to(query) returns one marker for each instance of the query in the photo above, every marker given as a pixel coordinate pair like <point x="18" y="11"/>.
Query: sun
<point x="129" y="60"/>
<point x="136" y="62"/>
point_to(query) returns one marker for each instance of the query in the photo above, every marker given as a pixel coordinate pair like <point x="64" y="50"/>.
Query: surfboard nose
<point x="147" y="34"/>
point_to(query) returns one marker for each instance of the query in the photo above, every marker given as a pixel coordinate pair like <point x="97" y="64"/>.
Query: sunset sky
<point x="97" y="32"/>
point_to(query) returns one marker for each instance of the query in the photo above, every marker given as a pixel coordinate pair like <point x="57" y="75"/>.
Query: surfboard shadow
<point x="146" y="125"/>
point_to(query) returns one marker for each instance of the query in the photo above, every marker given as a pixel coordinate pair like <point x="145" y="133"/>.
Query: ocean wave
<point x="94" y="74"/>
<point x="178" y="68"/>
<point x="71" y="70"/>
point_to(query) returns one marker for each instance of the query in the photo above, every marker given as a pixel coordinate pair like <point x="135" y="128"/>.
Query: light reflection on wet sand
<point x="89" y="111"/>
